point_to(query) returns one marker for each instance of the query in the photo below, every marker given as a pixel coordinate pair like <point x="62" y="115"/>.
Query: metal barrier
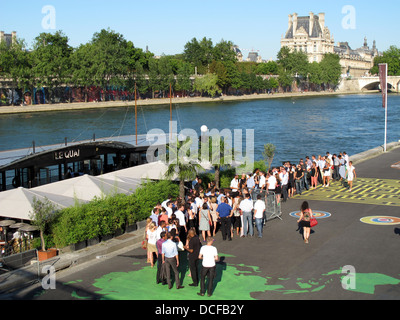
<point x="272" y="207"/>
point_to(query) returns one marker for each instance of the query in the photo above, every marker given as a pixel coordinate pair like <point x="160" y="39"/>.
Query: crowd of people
<point x="190" y="224"/>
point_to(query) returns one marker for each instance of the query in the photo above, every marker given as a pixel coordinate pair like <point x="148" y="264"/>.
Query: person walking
<point x="209" y="255"/>
<point x="171" y="258"/>
<point x="304" y="220"/>
<point x="351" y="174"/>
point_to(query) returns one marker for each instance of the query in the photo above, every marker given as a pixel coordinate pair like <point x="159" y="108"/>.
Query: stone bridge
<point x="369" y="83"/>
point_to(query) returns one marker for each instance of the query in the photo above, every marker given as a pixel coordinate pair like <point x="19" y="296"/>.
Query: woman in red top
<point x="305" y="217"/>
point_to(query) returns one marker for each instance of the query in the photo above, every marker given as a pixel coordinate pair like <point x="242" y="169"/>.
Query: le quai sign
<point x="67" y="154"/>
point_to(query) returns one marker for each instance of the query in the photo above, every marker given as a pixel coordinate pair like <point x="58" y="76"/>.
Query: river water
<point x="296" y="126"/>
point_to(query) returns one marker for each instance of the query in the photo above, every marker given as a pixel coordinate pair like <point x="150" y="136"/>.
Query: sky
<point x="165" y="26"/>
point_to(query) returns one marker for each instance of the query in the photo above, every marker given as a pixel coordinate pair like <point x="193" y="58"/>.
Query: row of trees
<point x="110" y="60"/>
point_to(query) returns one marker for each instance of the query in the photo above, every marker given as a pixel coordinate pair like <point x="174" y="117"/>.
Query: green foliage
<point x="392" y="58"/>
<point x="207" y="84"/>
<point x="41" y="215"/>
<point x="103" y="216"/>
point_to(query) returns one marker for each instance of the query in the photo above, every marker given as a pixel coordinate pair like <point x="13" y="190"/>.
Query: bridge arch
<point x="376" y="85"/>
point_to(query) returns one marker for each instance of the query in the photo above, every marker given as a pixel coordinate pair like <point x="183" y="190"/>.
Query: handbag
<point x="144" y="244"/>
<point x="313" y="222"/>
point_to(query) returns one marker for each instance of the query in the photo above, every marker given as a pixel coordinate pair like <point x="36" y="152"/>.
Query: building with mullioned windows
<point x="310" y="35"/>
<point x="9" y="38"/>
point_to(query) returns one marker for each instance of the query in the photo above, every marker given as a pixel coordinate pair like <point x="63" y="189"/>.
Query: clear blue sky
<point x="166" y="25"/>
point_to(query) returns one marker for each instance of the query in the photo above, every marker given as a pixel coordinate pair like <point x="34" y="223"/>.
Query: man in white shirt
<point x="209" y="254"/>
<point x="271" y="182"/>
<point x="181" y="216"/>
<point x="284" y="176"/>
<point x="169" y="208"/>
<point x="259" y="208"/>
<point x="235" y="184"/>
<point x="247" y="206"/>
<point x="261" y="183"/>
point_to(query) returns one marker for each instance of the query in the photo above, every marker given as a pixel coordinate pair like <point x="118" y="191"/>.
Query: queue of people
<point x="190" y="225"/>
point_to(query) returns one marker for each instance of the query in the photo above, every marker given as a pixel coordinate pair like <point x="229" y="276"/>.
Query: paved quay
<point x="162" y="101"/>
<point x="353" y="253"/>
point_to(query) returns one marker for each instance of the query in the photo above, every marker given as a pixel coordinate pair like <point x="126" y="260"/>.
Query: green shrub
<point x="103" y="216"/>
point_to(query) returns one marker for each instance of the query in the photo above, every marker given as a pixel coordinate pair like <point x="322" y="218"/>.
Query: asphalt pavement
<point x="353" y="253"/>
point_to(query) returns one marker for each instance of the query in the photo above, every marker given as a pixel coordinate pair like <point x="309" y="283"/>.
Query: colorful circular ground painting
<point x="381" y="220"/>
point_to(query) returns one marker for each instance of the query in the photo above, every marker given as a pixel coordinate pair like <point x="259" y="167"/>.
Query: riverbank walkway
<point x="155" y="102"/>
<point x="353" y="253"/>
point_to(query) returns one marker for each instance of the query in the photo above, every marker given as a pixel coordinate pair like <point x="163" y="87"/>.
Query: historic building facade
<point x="310" y="35"/>
<point x="9" y="38"/>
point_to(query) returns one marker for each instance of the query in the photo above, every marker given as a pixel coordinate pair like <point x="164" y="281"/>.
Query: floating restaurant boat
<point x="28" y="168"/>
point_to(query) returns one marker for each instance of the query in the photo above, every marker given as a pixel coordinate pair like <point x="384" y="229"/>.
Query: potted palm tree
<point x="181" y="166"/>
<point x="42" y="214"/>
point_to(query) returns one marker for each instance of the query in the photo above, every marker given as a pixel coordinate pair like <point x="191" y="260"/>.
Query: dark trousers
<point x="193" y="267"/>
<point x="226" y="227"/>
<point x="211" y="272"/>
<point x="171" y="263"/>
<point x="284" y="192"/>
<point x="159" y="267"/>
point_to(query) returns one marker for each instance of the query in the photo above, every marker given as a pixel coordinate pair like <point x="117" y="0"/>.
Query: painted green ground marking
<point x="140" y="285"/>
<point x="233" y="282"/>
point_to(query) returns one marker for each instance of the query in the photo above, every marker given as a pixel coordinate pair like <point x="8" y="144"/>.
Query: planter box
<point x="44" y="255"/>
<point x="93" y="241"/>
<point x="130" y="228"/>
<point x="78" y="246"/>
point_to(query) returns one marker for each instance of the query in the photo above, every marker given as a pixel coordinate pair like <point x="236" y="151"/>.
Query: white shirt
<point x="259" y="208"/>
<point x="271" y="182"/>
<point x="152" y="236"/>
<point x="169" y="211"/>
<point x="246" y="205"/>
<point x="284" y="178"/>
<point x="234" y="184"/>
<point x="209" y="253"/>
<point x="181" y="217"/>
<point x="261" y="182"/>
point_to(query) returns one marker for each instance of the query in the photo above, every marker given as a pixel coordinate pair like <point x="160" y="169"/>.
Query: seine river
<point x="296" y="126"/>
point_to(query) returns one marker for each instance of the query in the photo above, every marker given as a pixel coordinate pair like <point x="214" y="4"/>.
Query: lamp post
<point x="204" y="144"/>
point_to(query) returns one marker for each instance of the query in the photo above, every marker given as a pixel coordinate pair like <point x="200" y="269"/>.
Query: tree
<point x="15" y="64"/>
<point x="180" y="164"/>
<point x="184" y="83"/>
<point x="51" y="60"/>
<point x="43" y="213"/>
<point x="392" y="58"/>
<point x="110" y="58"/>
<point x="330" y="69"/>
<point x="83" y="67"/>
<point x="269" y="153"/>
<point x="207" y="84"/>
<point x="220" y="155"/>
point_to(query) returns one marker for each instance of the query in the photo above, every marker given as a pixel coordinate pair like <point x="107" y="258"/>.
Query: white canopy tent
<point x="17" y="203"/>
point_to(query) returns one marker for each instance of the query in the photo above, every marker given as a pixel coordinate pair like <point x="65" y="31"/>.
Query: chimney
<point x="14" y="36"/>
<point x="290" y="20"/>
<point x="294" y="23"/>
<point x="311" y="23"/>
<point x="322" y="21"/>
